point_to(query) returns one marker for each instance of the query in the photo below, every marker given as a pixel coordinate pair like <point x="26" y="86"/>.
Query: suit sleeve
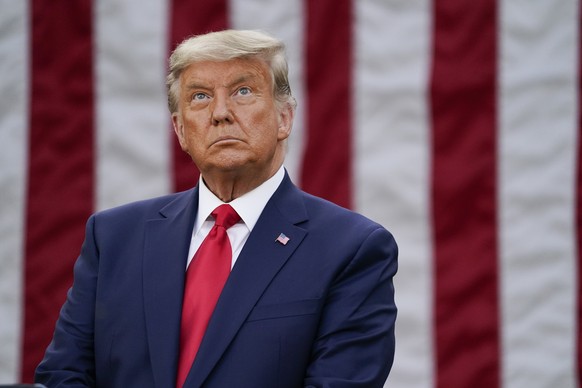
<point x="69" y="359"/>
<point x="355" y="341"/>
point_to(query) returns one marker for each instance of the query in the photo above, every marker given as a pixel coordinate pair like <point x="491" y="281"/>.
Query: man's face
<point x="227" y="119"/>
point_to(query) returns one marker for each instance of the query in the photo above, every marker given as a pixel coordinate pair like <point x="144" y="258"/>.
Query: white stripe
<point x="14" y="86"/>
<point x="537" y="170"/>
<point x="392" y="163"/>
<point x="283" y="19"/>
<point x="133" y="125"/>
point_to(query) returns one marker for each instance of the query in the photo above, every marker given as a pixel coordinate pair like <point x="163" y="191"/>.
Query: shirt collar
<point x="249" y="206"/>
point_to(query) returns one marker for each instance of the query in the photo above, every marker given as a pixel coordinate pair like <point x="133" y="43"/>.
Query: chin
<point x="231" y="165"/>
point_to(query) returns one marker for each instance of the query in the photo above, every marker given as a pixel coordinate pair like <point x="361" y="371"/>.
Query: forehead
<point x="226" y="72"/>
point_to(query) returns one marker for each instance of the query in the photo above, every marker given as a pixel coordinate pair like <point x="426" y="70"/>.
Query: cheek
<point x="264" y="122"/>
<point x="193" y="127"/>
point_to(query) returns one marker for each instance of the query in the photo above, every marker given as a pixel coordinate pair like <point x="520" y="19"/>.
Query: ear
<point x="179" y="129"/>
<point x="286" y="114"/>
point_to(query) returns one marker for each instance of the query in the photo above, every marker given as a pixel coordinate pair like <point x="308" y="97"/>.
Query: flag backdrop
<point x="454" y="123"/>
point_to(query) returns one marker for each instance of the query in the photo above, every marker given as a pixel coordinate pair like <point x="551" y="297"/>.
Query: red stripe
<point x="192" y="18"/>
<point x="327" y="162"/>
<point x="60" y="190"/>
<point x="463" y="90"/>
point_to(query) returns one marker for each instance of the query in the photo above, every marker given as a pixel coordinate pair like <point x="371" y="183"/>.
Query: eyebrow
<point x="241" y="79"/>
<point x="194" y="85"/>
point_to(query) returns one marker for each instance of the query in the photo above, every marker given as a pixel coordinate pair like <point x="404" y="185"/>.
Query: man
<point x="307" y="299"/>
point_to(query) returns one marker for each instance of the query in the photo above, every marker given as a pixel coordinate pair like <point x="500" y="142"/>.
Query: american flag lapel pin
<point x="282" y="239"/>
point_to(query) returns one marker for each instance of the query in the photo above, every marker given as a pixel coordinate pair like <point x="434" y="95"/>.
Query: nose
<point x="221" y="109"/>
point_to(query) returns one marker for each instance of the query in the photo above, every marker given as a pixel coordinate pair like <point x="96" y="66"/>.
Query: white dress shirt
<point x="249" y="207"/>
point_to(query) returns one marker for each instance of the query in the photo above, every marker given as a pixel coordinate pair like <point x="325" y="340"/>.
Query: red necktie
<point x="205" y="279"/>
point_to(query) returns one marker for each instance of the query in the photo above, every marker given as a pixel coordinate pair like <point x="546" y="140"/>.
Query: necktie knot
<point x="225" y="216"/>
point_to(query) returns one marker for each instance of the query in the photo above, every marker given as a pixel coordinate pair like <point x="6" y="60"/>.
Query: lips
<point x="225" y="139"/>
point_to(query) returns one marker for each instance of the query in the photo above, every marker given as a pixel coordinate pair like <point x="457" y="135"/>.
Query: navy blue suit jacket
<point x="316" y="312"/>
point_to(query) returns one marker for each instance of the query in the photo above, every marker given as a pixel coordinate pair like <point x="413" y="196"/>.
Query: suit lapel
<point x="167" y="240"/>
<point x="259" y="261"/>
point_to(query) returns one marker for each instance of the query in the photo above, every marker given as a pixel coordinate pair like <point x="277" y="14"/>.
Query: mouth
<point x="225" y="140"/>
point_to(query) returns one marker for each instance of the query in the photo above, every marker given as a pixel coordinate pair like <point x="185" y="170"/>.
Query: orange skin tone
<point x="230" y="125"/>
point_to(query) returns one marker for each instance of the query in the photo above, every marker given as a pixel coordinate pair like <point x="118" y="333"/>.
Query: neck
<point x="231" y="185"/>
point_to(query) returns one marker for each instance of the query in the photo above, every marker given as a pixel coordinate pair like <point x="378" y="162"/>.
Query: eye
<point x="199" y="96"/>
<point x="244" y="91"/>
